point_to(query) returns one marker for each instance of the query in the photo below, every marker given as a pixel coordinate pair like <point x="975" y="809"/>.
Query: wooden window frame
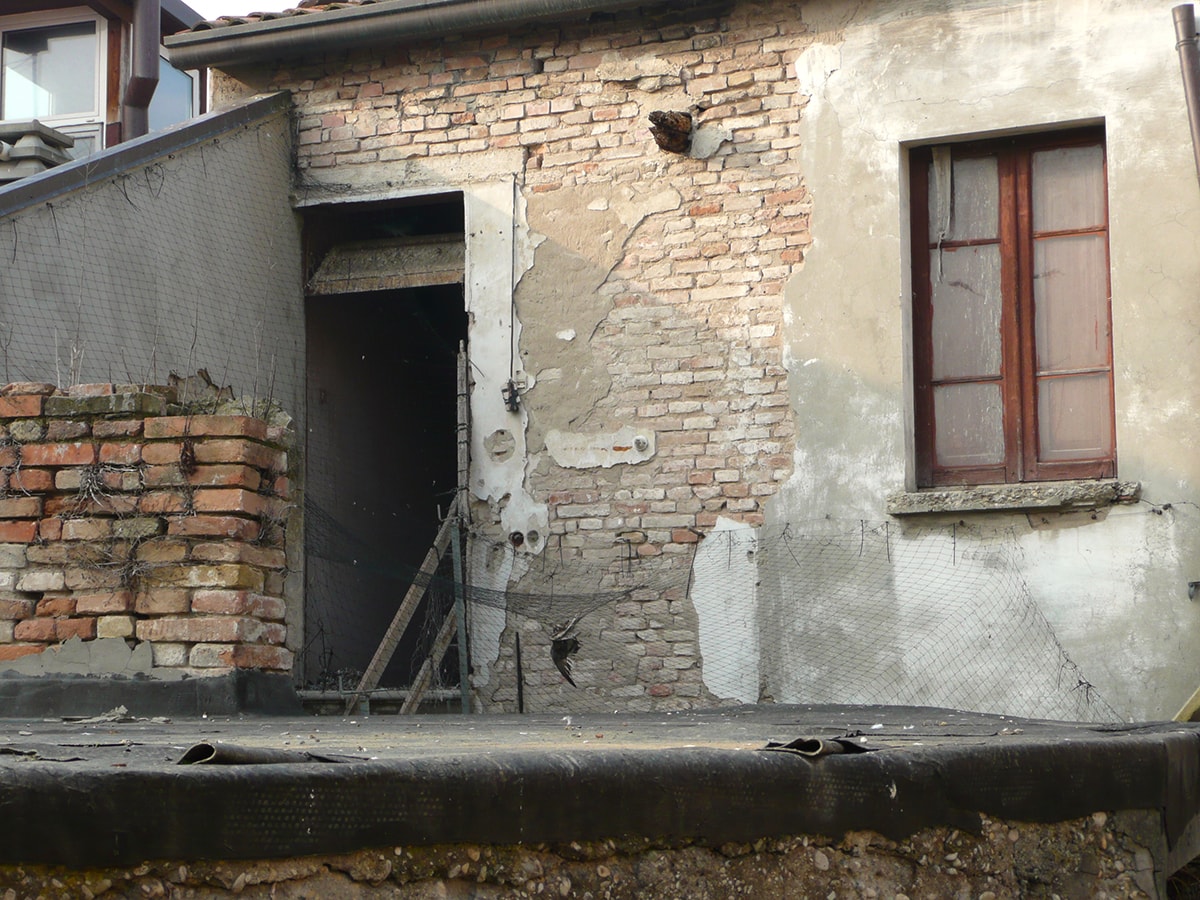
<point x="1018" y="378"/>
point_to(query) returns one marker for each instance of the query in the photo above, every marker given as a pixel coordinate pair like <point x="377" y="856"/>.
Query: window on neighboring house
<point x="51" y="69"/>
<point x="1012" y="326"/>
<point x="176" y="98"/>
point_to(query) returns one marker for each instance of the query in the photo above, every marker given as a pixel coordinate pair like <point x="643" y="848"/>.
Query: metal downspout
<point x="143" y="69"/>
<point x="1189" y="63"/>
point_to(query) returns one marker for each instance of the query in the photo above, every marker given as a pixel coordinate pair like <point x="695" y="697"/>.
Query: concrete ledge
<point x="1033" y="495"/>
<point x="245" y="690"/>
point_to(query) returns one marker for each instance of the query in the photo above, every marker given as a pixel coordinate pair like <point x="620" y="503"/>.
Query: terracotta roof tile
<point x="305" y="7"/>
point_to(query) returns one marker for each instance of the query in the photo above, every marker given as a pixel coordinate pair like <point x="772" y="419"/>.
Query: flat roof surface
<point x="100" y="742"/>
<point x="268" y="786"/>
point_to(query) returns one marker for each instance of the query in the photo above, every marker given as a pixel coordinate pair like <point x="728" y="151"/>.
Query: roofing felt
<point x="334" y="784"/>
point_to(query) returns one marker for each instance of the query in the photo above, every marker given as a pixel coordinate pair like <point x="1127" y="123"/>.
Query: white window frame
<point x="91" y="121"/>
<point x="194" y="74"/>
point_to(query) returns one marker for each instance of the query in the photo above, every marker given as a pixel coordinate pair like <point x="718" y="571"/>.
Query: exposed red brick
<point x="240" y="451"/>
<point x="43" y="388"/>
<point x="122" y="454"/>
<point x="11" y="610"/>
<point x="17" y="532"/>
<point x="205" y="426"/>
<point x="198" y="629"/>
<point x="56" y="606"/>
<point x="161" y="549"/>
<point x="250" y="656"/>
<point x="232" y="500"/>
<point x="162" y="454"/>
<point x="20" y="406"/>
<point x="34" y="630"/>
<point x="50" y="529"/>
<point x="225" y="603"/>
<point x="21" y="508"/>
<point x="100" y="604"/>
<point x="163" y="476"/>
<point x="77" y="454"/>
<point x="99" y="389"/>
<point x="30" y="480"/>
<point x="220" y="575"/>
<point x="93" y="578"/>
<point x="107" y="428"/>
<point x="120" y="480"/>
<point x="236" y="603"/>
<point x="234" y="551"/>
<point x="206" y="476"/>
<point x="82" y="628"/>
<point x="86" y="529"/>
<point x="65" y="430"/>
<point x="162" y="602"/>
<point x="72" y="505"/>
<point x="162" y="502"/>
<point x="10" y="652"/>
<point x="214" y="526"/>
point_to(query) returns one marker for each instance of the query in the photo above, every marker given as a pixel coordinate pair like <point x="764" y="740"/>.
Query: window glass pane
<point x="1068" y="188"/>
<point x="968" y="194"/>
<point x="1070" y="295"/>
<point x="49" y="71"/>
<point x="1074" y="418"/>
<point x="970" y="424"/>
<point x="172" y="100"/>
<point x="966" y="311"/>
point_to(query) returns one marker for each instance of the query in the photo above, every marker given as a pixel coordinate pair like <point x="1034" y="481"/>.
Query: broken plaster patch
<point x="567" y="334"/>
<point x="589" y="451"/>
<point x="707" y="139"/>
<point x="633" y="207"/>
<point x="725" y="595"/>
<point x="103" y="656"/>
<point x="615" y="67"/>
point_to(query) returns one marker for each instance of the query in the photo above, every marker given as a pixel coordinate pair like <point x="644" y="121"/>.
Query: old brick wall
<point x="655" y="296"/>
<point x="122" y="518"/>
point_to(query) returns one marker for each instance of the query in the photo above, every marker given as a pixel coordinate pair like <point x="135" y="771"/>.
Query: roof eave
<point x="400" y="21"/>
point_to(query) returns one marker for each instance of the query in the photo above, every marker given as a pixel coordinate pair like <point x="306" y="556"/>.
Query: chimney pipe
<point x="143" y="69"/>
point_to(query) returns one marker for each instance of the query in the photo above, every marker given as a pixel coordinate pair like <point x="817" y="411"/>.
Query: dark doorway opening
<point x="381" y="464"/>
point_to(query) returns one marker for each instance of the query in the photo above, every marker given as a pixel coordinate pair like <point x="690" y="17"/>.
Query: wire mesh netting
<point x="189" y="260"/>
<point x="152" y="271"/>
<point x="828" y="611"/>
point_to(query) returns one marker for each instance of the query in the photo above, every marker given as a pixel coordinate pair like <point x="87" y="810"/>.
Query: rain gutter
<point x="1189" y="63"/>
<point x="376" y="23"/>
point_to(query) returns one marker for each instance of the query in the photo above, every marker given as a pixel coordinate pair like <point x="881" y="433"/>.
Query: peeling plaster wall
<point x="1112" y="585"/>
<point x="683" y="298"/>
<point x="633" y="295"/>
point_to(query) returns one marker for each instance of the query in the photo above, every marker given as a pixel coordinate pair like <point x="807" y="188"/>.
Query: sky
<point x="210" y="9"/>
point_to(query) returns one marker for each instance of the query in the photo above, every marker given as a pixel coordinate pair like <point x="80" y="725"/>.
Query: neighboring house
<point x="85" y="70"/>
<point x="876" y="385"/>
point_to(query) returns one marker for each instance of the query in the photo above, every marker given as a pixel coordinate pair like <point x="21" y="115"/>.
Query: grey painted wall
<point x="187" y="260"/>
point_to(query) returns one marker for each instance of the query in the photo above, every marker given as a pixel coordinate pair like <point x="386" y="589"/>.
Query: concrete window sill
<point x="1034" y="495"/>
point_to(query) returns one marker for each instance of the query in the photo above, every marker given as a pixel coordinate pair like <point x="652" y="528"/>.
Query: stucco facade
<point x="719" y="341"/>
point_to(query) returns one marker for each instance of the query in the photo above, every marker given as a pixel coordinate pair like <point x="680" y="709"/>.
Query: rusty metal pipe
<point x="143" y="69"/>
<point x="1189" y="63"/>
